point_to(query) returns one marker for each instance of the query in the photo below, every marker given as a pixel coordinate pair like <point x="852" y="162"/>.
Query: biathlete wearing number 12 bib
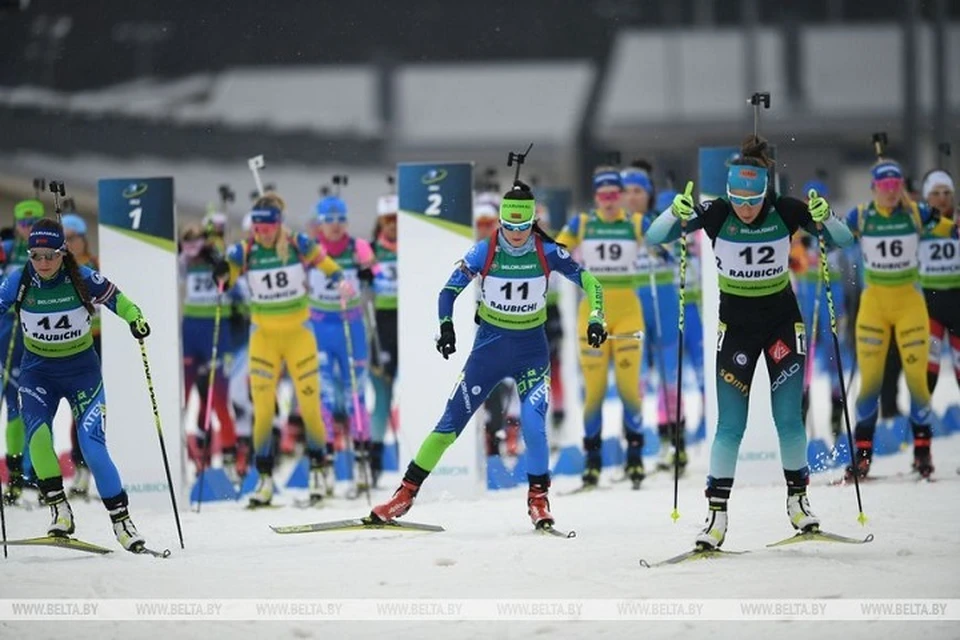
<point x="750" y="230"/>
<point x="608" y="238"/>
<point x="514" y="266"/>
<point x="55" y="298"/>
<point x="275" y="264"/>
<point x="889" y="230"/>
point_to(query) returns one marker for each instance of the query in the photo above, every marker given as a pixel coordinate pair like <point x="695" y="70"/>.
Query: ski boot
<point x="538" y="502"/>
<point x="361" y="457"/>
<point x="715" y="528"/>
<point x="198" y="450"/>
<point x="634" y="467"/>
<point x="125" y="531"/>
<point x="61" y="515"/>
<point x="861" y="465"/>
<point x="230" y="465"/>
<point x="244" y="449"/>
<point x="922" y="460"/>
<point x="376" y="463"/>
<point x="593" y="464"/>
<point x="14" y="490"/>
<point x="263" y="494"/>
<point x="317" y="483"/>
<point x="798" y="510"/>
<point x="81" y="483"/>
<point x="398" y="505"/>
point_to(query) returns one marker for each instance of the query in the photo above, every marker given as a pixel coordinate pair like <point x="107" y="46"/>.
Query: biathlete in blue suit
<point x="55" y="300"/>
<point x="514" y="266"/>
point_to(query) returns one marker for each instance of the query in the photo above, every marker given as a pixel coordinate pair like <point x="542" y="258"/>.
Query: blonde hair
<point x="272" y="200"/>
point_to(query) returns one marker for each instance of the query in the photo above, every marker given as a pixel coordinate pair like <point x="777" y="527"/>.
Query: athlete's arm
<point x="560" y="261"/>
<point x="467" y="269"/>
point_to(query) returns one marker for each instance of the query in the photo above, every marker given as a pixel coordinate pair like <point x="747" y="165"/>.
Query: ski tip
<point x="645" y="564"/>
<point x="869" y="538"/>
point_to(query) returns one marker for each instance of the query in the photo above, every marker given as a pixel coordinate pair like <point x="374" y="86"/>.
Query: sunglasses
<point x="265" y="227"/>
<point x="608" y="196"/>
<point x="44" y="255"/>
<point x="332" y="219"/>
<point x="516" y="227"/>
<point x="745" y="200"/>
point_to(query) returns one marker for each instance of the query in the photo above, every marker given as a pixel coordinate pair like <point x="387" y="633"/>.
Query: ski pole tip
<point x="675" y="516"/>
<point x="862" y="519"/>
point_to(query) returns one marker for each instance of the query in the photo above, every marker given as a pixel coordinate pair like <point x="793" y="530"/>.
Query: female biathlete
<point x="275" y="263"/>
<point x="657" y="290"/>
<point x="889" y="229"/>
<point x="14" y="254"/>
<point x="940" y="274"/>
<point x="384" y="364"/>
<point x="514" y="266"/>
<point x="355" y="260"/>
<point x="750" y="230"/>
<point x="55" y="299"/>
<point x="75" y="232"/>
<point x="608" y="238"/>
<point x="199" y="253"/>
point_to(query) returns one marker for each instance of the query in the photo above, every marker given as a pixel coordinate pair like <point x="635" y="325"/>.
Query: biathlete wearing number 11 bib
<point x="275" y="264"/>
<point x="759" y="316"/>
<point x="511" y="342"/>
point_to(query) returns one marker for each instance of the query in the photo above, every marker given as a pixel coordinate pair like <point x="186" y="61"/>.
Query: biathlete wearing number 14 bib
<point x="275" y="263"/>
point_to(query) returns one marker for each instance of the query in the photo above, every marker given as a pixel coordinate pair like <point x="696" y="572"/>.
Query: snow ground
<point x="489" y="551"/>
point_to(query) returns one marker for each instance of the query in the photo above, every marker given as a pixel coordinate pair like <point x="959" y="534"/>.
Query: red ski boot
<point x="398" y="505"/>
<point x="538" y="505"/>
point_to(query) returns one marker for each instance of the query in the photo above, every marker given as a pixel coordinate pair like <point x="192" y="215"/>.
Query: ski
<point x="259" y="507"/>
<point x="307" y="503"/>
<point x="150" y="552"/>
<point x="588" y="488"/>
<point x="60" y="541"/>
<point x="356" y="524"/>
<point x="548" y="529"/>
<point x="694" y="554"/>
<point x="820" y="536"/>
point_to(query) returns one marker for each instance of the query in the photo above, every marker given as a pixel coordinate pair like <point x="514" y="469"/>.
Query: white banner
<point x="500" y="610"/>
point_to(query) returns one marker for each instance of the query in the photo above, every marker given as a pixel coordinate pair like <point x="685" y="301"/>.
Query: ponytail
<point x="79" y="285"/>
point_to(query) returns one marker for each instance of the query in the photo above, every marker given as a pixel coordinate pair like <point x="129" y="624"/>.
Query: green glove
<point x="682" y="206"/>
<point x="818" y="207"/>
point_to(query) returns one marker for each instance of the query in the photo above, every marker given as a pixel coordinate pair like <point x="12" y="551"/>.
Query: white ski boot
<point x="61" y="515"/>
<point x="801" y="517"/>
<point x="81" y="483"/>
<point x="715" y="530"/>
<point x="263" y="494"/>
<point x="318" y="487"/>
<point x="125" y="531"/>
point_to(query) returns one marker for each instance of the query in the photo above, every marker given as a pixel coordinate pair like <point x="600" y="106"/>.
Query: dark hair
<point x="753" y="151"/>
<point x="644" y="165"/>
<point x="73" y="269"/>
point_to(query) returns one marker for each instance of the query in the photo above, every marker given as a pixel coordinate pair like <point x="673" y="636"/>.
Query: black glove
<point x="221" y="271"/>
<point x="139" y="328"/>
<point x="210" y="255"/>
<point x="447" y="342"/>
<point x="596" y="334"/>
<point x="366" y="275"/>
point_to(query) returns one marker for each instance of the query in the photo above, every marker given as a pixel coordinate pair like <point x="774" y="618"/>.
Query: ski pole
<point x="636" y="335"/>
<point x="355" y="393"/>
<point x="3" y="522"/>
<point x="211" y="381"/>
<point x="811" y="354"/>
<point x="680" y="319"/>
<point x="163" y="447"/>
<point x="661" y="367"/>
<point x="825" y="275"/>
